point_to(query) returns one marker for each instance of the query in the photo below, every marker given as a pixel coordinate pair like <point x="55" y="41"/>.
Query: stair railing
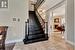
<point x="46" y="27"/>
<point x="42" y="21"/>
<point x="38" y="3"/>
<point x="27" y="28"/>
<point x="44" y="24"/>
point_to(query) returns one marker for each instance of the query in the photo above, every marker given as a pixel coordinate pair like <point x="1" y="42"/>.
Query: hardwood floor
<point x="9" y="46"/>
<point x="55" y="42"/>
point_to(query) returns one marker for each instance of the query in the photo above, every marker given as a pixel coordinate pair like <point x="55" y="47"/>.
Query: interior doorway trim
<point x="57" y="6"/>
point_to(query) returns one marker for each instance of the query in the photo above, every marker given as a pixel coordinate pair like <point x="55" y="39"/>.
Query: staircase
<point x="35" y="28"/>
<point x="36" y="32"/>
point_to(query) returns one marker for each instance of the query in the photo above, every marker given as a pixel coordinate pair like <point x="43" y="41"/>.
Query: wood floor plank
<point x="56" y="42"/>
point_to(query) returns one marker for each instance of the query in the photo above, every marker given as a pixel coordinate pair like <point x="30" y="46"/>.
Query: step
<point x="36" y="32"/>
<point x="34" y="29"/>
<point x="30" y="37"/>
<point x="33" y="26"/>
<point x="36" y="40"/>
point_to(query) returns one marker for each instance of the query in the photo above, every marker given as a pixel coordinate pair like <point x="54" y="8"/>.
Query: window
<point x="3" y="3"/>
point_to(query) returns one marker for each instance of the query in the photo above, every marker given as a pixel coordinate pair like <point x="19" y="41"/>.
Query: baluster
<point x="27" y="28"/>
<point x="46" y="27"/>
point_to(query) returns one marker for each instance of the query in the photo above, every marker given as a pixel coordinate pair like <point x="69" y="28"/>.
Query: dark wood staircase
<point x="36" y="32"/>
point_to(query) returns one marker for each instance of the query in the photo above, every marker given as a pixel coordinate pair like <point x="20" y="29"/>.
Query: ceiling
<point x="59" y="11"/>
<point x="33" y="1"/>
<point x="49" y="4"/>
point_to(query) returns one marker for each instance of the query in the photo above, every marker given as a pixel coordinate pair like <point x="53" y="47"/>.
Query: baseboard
<point x="13" y="41"/>
<point x="73" y="44"/>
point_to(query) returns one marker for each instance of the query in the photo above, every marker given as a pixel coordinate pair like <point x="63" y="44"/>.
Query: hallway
<point x="51" y="15"/>
<point x="54" y="43"/>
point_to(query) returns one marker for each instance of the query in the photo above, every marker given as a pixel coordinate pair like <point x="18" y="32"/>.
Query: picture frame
<point x="4" y="4"/>
<point x="56" y="20"/>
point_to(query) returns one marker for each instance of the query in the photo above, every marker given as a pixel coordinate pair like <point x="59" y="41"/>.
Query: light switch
<point x="3" y="3"/>
<point x="14" y="19"/>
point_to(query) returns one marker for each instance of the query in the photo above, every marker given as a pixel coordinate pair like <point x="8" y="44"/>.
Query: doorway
<point x="58" y="19"/>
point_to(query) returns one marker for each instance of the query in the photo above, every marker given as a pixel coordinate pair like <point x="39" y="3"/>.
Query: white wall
<point x="31" y="7"/>
<point x="74" y="20"/>
<point x="48" y="20"/>
<point x="17" y="9"/>
<point x="70" y="20"/>
<point x="49" y="15"/>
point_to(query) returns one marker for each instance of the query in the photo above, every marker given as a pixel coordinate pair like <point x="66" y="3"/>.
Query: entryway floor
<point x="55" y="42"/>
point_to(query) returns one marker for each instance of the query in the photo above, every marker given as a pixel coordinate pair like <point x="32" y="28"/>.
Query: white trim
<point x="13" y="41"/>
<point x="70" y="42"/>
<point x="57" y="5"/>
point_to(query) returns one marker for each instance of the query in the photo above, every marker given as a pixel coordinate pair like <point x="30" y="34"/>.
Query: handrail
<point x="40" y="16"/>
<point x="38" y="3"/>
<point x="42" y="22"/>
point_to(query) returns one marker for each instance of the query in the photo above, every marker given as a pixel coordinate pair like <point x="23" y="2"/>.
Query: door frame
<point x="51" y="11"/>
